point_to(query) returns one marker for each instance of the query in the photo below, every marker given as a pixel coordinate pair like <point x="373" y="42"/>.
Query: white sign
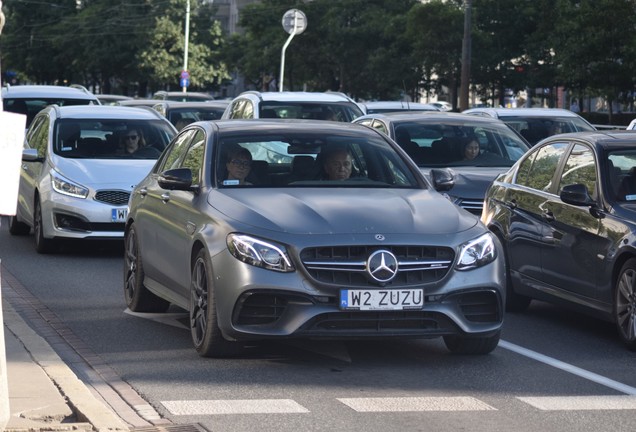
<point x="294" y="19"/>
<point x="11" y="142"/>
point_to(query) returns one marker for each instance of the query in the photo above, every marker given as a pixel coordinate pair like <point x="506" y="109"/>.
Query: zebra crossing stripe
<point x="403" y="404"/>
<point x="573" y="403"/>
<point x="249" y="406"/>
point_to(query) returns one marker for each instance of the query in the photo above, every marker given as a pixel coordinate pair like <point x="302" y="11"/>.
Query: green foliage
<point x="370" y="49"/>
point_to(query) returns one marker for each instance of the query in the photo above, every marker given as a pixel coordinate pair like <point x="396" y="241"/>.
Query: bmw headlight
<point x="477" y="253"/>
<point x="259" y="253"/>
<point x="66" y="187"/>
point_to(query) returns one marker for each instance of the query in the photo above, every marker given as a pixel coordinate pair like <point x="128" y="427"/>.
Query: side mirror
<point x="576" y="194"/>
<point x="176" y="179"/>
<point x="443" y="179"/>
<point x="30" y="155"/>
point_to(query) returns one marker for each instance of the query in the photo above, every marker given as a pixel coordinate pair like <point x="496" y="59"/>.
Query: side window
<point x="236" y="111"/>
<point x="248" y="110"/>
<point x="580" y="168"/>
<point x="541" y="172"/>
<point x="38" y="137"/>
<point x="378" y="125"/>
<point x="175" y="152"/>
<point x="194" y="156"/>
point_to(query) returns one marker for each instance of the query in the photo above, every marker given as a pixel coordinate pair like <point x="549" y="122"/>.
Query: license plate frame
<point x="382" y="299"/>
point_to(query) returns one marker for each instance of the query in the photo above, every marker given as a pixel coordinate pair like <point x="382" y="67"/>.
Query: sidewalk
<point x="44" y="393"/>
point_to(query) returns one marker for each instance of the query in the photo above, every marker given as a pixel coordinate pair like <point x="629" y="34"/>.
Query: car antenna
<point x="408" y="107"/>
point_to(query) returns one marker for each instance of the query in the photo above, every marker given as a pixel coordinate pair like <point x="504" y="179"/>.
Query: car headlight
<point x="67" y="187"/>
<point x="259" y="253"/>
<point x="477" y="253"/>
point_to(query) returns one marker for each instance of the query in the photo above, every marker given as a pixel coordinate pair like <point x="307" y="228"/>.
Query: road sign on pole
<point x="294" y="22"/>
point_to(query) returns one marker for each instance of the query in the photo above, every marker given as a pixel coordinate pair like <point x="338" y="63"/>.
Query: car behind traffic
<point x="437" y="140"/>
<point x="76" y="177"/>
<point x="535" y="124"/>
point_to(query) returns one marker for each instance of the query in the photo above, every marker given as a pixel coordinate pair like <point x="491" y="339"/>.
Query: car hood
<point x="471" y="182"/>
<point x="343" y="211"/>
<point x="104" y="173"/>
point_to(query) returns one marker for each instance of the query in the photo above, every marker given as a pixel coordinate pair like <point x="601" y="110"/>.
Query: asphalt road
<point x="553" y="371"/>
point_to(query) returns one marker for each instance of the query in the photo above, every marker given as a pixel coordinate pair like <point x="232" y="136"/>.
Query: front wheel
<point x="206" y="334"/>
<point x="472" y="345"/>
<point x="625" y="304"/>
<point x="43" y="245"/>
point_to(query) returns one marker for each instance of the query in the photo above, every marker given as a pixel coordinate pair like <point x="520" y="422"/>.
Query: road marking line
<point x="401" y="404"/>
<point x="250" y="406"/>
<point x="618" y="386"/>
<point x="573" y="403"/>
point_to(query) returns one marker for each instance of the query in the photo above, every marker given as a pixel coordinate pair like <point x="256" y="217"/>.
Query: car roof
<point x="104" y="112"/>
<point x="432" y="116"/>
<point x="607" y="139"/>
<point x="292" y="96"/>
<point x="138" y="102"/>
<point x="523" y="112"/>
<point x="46" y="91"/>
<point x="400" y="105"/>
<point x="193" y="104"/>
<point x="282" y="125"/>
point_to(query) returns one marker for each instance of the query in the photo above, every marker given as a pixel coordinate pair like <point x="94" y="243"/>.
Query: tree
<point x="593" y="55"/>
<point x="436" y="31"/>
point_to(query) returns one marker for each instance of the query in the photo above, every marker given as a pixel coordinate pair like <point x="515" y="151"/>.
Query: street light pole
<point x="187" y="37"/>
<point x="466" y="55"/>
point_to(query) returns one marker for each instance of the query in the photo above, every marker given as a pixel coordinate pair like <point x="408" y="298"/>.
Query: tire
<point x="138" y="297"/>
<point x="43" y="245"/>
<point x="514" y="302"/>
<point x="625" y="304"/>
<point x="18" y="228"/>
<point x="472" y="345"/>
<point x="206" y="335"/>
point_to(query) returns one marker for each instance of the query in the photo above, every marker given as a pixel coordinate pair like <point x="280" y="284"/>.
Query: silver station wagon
<point x="308" y="229"/>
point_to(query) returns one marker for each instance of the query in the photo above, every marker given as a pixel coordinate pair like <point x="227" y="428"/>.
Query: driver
<point x="338" y="164"/>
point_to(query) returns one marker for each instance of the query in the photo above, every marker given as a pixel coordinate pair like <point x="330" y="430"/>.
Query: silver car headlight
<point x="477" y="253"/>
<point x="66" y="187"/>
<point x="259" y="253"/>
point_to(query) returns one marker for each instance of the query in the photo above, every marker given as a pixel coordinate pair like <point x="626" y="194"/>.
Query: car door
<point x="152" y="222"/>
<point x="175" y="240"/>
<point x="572" y="246"/>
<point x="37" y="138"/>
<point x="176" y="219"/>
<point x="526" y="198"/>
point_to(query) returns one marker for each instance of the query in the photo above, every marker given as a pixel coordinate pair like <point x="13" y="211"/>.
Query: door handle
<point x="143" y="192"/>
<point x="548" y="216"/>
<point x="165" y="197"/>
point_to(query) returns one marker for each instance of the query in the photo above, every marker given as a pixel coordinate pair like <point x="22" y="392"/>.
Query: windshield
<point x="534" y="129"/>
<point x="311" y="160"/>
<point x="31" y="106"/>
<point x="462" y="144"/>
<point x="334" y="111"/>
<point x="111" y="139"/>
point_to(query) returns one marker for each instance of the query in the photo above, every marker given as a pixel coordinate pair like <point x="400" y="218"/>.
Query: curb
<point x="85" y="406"/>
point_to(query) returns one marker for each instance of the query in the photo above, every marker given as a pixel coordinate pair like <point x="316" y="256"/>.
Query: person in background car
<point x="471" y="149"/>
<point x="131" y="141"/>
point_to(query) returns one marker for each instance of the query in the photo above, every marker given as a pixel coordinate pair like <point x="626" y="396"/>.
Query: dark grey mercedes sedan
<point x="308" y="229"/>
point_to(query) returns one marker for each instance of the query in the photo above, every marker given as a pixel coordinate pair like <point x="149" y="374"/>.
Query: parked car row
<point x="298" y="215"/>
